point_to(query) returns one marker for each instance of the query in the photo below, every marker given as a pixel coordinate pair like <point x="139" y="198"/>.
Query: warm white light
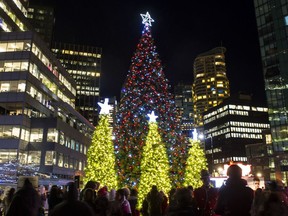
<point x="201" y="136"/>
<point x="105" y="107"/>
<point x="259" y="175"/>
<point x="152" y="117"/>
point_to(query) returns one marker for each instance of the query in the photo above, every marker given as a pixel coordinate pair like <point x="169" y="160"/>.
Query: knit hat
<point x="103" y="191"/>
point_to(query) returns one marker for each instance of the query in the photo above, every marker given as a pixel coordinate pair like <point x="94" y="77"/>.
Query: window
<point x="60" y="159"/>
<point x="34" y="157"/>
<point x="286" y="20"/>
<point x="36" y="135"/>
<point x="50" y="158"/>
<point x="52" y="135"/>
<point x="7" y="155"/>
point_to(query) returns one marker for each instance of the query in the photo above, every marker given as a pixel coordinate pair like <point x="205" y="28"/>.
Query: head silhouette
<point x="234" y="172"/>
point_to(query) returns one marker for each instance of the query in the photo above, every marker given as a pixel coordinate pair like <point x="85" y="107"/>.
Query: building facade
<point x="272" y="23"/>
<point x="42" y="19"/>
<point x="184" y="106"/>
<point x="229" y="127"/>
<point x="260" y="156"/>
<point x="211" y="85"/>
<point x="84" y="64"/>
<point x="40" y="131"/>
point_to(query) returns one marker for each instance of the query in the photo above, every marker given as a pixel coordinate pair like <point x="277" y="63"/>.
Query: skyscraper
<point x="230" y="126"/>
<point x="211" y="85"/>
<point x="272" y="23"/>
<point x="84" y="64"/>
<point x="42" y="19"/>
<point x="184" y="106"/>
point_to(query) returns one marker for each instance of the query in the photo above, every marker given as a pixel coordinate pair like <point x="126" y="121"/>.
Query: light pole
<point x="212" y="152"/>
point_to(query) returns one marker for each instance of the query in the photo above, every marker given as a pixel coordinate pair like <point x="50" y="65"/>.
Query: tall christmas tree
<point x="154" y="163"/>
<point x="145" y="89"/>
<point x="195" y="163"/>
<point x="101" y="156"/>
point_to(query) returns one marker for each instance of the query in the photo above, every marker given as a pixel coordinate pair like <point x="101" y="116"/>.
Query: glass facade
<point x="184" y="106"/>
<point x="84" y="64"/>
<point x="271" y="17"/>
<point x="40" y="130"/>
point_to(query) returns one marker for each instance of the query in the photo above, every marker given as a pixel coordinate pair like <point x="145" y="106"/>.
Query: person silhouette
<point x="235" y="198"/>
<point x="26" y="201"/>
<point x="71" y="205"/>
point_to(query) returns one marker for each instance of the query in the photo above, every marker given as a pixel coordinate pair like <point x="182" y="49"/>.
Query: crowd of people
<point x="234" y="198"/>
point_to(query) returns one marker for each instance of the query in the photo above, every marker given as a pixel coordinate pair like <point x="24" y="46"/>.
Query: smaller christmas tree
<point x="154" y="164"/>
<point x="195" y="163"/>
<point x="100" y="156"/>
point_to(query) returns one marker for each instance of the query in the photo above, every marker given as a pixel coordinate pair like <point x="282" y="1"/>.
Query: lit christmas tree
<point x="101" y="156"/>
<point x="145" y="89"/>
<point x="195" y="163"/>
<point x="154" y="163"/>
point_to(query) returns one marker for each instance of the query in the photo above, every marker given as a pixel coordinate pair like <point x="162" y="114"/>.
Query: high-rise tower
<point x="42" y="19"/>
<point x="184" y="106"/>
<point x="211" y="85"/>
<point x="84" y="64"/>
<point x="272" y="23"/>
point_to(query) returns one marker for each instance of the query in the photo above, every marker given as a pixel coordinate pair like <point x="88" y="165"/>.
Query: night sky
<point x="181" y="31"/>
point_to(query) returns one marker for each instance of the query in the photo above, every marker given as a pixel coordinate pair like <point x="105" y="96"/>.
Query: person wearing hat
<point x="205" y="196"/>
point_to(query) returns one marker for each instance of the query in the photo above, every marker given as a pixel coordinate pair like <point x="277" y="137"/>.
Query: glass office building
<point x="40" y="130"/>
<point x="272" y="24"/>
<point x="84" y="64"/>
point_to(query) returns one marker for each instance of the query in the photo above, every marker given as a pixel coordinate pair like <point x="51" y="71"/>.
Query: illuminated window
<point x="50" y="158"/>
<point x="286" y="20"/>
<point x="34" y="157"/>
<point x="60" y="160"/>
<point x="52" y="135"/>
<point x="268" y="138"/>
<point x="61" y="138"/>
<point x="36" y="135"/>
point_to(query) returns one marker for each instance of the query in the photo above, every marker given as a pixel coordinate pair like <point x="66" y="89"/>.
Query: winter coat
<point x="235" y="198"/>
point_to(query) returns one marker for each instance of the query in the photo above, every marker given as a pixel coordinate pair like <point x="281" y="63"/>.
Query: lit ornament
<point x="152" y="117"/>
<point x="146" y="19"/>
<point x="105" y="107"/>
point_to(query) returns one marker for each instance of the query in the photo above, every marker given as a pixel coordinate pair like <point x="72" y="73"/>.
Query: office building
<point x="230" y="126"/>
<point x="211" y="85"/>
<point x="39" y="127"/>
<point x="184" y="106"/>
<point x="42" y="19"/>
<point x="84" y="65"/>
<point x="260" y="156"/>
<point x="272" y="23"/>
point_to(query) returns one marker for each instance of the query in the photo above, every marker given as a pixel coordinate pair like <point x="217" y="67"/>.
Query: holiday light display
<point x="154" y="163"/>
<point x="146" y="89"/>
<point x="195" y="163"/>
<point x="101" y="156"/>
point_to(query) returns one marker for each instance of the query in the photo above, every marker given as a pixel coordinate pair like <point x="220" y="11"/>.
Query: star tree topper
<point x="152" y="117"/>
<point x="146" y="19"/>
<point x="105" y="107"/>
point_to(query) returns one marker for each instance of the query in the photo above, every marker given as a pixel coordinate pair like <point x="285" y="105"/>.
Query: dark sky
<point x="181" y="31"/>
